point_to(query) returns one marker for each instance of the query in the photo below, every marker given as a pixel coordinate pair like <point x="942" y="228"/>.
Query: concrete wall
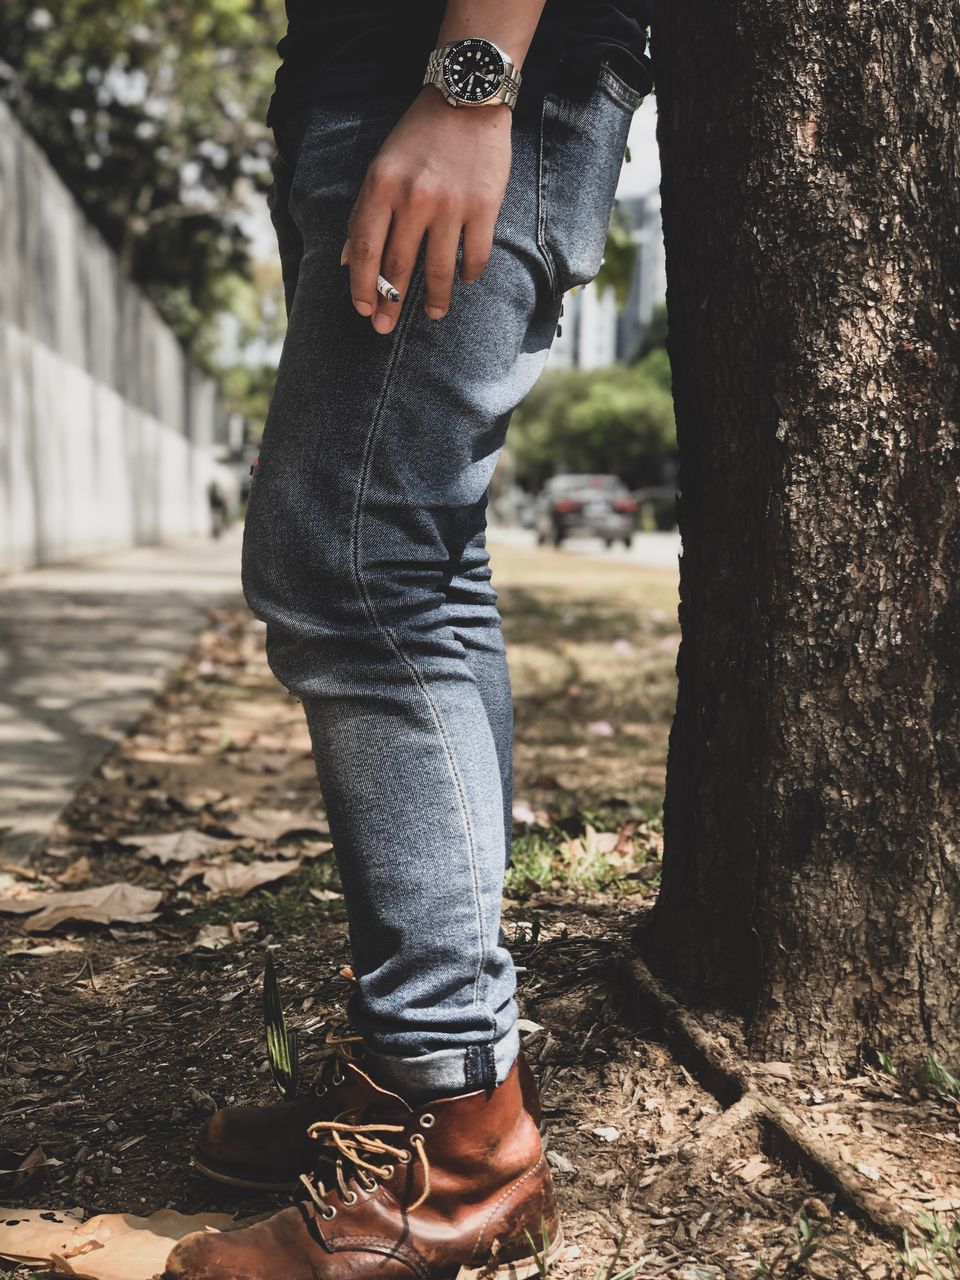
<point x="106" y="433"/>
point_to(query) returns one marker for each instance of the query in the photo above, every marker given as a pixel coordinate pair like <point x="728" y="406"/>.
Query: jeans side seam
<point x="542" y="202"/>
<point x="371" y="611"/>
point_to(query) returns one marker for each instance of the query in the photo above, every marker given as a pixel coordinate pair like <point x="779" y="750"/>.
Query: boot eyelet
<point x="337" y="1080"/>
<point x="349" y="1199"/>
<point x="329" y="1212"/>
<point x="368" y="1184"/>
<point x="427" y="1121"/>
<point x="405" y="1157"/>
<point x="387" y="1172"/>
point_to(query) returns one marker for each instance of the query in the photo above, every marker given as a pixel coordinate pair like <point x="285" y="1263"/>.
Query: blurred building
<point x="592" y="333"/>
<point x="648" y="285"/>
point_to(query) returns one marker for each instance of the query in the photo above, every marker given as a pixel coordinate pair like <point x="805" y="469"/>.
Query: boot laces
<point x="339" y="1039"/>
<point x="354" y="1149"/>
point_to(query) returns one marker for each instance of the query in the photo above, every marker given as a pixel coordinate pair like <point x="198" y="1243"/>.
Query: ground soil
<point x="118" y="1041"/>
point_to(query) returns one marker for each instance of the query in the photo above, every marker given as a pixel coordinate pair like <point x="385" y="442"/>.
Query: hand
<point x="441" y="173"/>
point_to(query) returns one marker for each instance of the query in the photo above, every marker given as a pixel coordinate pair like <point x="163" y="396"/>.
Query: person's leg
<point x="363" y="554"/>
<point x="376" y="456"/>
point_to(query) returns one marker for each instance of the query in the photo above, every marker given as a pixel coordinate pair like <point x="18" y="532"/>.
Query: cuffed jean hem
<point x="445" y="1072"/>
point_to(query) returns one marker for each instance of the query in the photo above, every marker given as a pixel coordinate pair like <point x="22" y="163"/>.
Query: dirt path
<point x="118" y="1039"/>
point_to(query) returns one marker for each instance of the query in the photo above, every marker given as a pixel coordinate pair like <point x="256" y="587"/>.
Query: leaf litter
<point x="178" y="1010"/>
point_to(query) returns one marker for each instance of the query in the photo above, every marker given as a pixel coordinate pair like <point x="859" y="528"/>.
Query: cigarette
<point x="386" y="290"/>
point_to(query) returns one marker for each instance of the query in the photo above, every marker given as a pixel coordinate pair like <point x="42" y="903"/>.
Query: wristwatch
<point x="473" y="73"/>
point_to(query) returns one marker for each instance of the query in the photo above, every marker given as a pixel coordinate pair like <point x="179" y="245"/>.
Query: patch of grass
<point x="605" y="1271"/>
<point x="935" y="1253"/>
<point x="285" y="909"/>
<point x="934" y="1075"/>
<point x="887" y="1065"/>
<point x="552" y="858"/>
<point x="796" y="1257"/>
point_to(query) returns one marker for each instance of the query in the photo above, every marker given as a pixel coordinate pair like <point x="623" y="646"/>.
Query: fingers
<point x="440" y="267"/>
<point x="399" y="259"/>
<point x="477" y="247"/>
<point x="368" y="227"/>
<point x="386" y="231"/>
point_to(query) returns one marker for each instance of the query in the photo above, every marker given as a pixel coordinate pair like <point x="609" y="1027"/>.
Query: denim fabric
<point x="364" y="552"/>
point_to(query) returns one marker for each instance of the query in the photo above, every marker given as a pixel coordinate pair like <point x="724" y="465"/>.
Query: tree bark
<point x="811" y="208"/>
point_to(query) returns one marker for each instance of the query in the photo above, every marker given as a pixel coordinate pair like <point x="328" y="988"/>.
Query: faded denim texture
<point x="364" y="552"/>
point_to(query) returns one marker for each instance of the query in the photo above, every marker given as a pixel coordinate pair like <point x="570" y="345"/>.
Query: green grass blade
<point x="282" y="1047"/>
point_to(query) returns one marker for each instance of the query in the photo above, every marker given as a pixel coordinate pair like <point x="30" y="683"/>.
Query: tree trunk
<point x="811" y="206"/>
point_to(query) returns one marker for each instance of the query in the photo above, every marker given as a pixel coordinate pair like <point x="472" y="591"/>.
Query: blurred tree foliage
<point x="152" y="114"/>
<point x="256" y="318"/>
<point x="617" y="421"/>
<point x="619" y="255"/>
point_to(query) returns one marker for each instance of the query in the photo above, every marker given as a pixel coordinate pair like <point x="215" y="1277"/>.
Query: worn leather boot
<point x="457" y="1187"/>
<point x="267" y="1148"/>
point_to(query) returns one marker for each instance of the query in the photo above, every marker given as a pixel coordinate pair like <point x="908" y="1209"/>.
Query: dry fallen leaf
<point x="112" y="1246"/>
<point x="214" y="937"/>
<point x="526" y="816"/>
<point x="753" y="1169"/>
<point x="18" y="872"/>
<point x="557" y="1160"/>
<point x="44" y="949"/>
<point x="273" y="824"/>
<point x="107" y="904"/>
<point x="76" y="874"/>
<point x="17" y="894"/>
<point x="311" y="849"/>
<point x="240" y="878"/>
<point x="35" y="1235"/>
<point x="201" y="798"/>
<point x="183" y="875"/>
<point x="18" y="1167"/>
<point x="326" y="895"/>
<point x="178" y="846"/>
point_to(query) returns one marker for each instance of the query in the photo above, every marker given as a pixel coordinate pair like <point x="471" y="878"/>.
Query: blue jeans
<point x="364" y="552"/>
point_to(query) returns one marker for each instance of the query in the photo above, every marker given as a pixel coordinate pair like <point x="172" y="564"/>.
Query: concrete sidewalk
<point x="84" y="648"/>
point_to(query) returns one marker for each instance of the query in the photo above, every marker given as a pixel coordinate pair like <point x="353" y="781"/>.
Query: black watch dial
<point x="473" y="70"/>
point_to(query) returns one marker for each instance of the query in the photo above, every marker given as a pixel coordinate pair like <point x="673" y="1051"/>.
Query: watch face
<point x="473" y="70"/>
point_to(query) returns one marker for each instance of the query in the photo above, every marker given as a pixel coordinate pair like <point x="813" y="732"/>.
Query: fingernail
<point x="343" y="254"/>
<point x="365" y="308"/>
<point x="435" y="313"/>
<point x="382" y="323"/>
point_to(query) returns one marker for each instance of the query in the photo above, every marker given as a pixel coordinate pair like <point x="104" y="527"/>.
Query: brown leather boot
<point x="267" y="1148"/>
<point x="456" y="1187"/>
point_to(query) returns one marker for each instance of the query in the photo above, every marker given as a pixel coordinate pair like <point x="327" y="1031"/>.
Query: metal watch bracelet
<point x="506" y="93"/>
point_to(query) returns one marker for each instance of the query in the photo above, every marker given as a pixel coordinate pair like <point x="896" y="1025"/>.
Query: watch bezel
<point x="456" y="48"/>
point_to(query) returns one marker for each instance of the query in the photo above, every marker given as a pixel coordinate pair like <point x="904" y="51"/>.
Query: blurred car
<point x="599" y="505"/>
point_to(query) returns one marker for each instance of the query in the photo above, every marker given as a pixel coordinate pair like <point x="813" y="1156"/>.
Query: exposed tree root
<point x="730" y="1080"/>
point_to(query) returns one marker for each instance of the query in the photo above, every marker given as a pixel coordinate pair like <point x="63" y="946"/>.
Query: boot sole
<point x="244" y="1184"/>
<point x="519" y="1269"/>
